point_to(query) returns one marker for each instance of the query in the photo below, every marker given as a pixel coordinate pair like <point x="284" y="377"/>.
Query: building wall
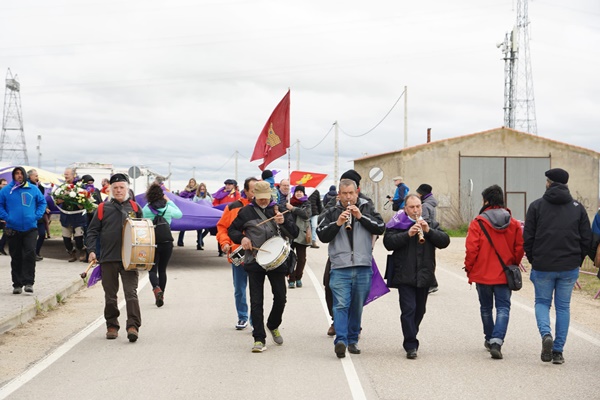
<point x="438" y="164"/>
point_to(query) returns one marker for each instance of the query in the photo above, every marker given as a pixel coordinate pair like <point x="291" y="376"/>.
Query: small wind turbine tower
<point x="13" y="149"/>
<point x="519" y="101"/>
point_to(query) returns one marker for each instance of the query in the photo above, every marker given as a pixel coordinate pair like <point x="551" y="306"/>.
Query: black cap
<point x="558" y="175"/>
<point x="87" y="178"/>
<point x="353" y="175"/>
<point x="424" y="189"/>
<point x="119" y="178"/>
<point x="301" y="188"/>
<point x="266" y="174"/>
<point x="230" y="182"/>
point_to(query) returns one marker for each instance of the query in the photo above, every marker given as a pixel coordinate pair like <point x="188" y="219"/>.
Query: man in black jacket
<point x="557" y="238"/>
<point x="413" y="242"/>
<point x="250" y="230"/>
<point x="108" y="229"/>
<point x="316" y="207"/>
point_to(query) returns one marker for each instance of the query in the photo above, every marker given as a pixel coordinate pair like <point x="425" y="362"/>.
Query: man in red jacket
<point x="483" y="266"/>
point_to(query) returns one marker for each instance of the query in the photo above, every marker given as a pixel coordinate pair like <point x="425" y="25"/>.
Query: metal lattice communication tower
<point x="13" y="149"/>
<point x="519" y="101"/>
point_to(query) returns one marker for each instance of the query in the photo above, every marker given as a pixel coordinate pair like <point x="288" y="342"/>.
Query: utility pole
<point x="405" y="117"/>
<point x="298" y="154"/>
<point x="336" y="174"/>
<point x="39" y="149"/>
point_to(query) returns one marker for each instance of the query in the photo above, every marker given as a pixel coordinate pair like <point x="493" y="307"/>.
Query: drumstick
<point x="258" y="248"/>
<point x="267" y="220"/>
<point x="84" y="274"/>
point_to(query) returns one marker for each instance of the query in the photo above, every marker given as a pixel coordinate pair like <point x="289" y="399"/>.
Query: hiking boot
<point x="258" y="347"/>
<point x="82" y="255"/>
<point x="495" y="351"/>
<point x="158" y="296"/>
<point x="557" y="357"/>
<point x="353" y="348"/>
<point x="314" y="245"/>
<point x="73" y="255"/>
<point x="547" y="343"/>
<point x="112" y="333"/>
<point x="331" y="331"/>
<point x="411" y="354"/>
<point x="291" y="284"/>
<point x="277" y="338"/>
<point x="298" y="283"/>
<point x="486" y="344"/>
<point x="17" y="290"/>
<point x="28" y="288"/>
<point x="241" y="325"/>
<point x="132" y="334"/>
<point x="340" y="350"/>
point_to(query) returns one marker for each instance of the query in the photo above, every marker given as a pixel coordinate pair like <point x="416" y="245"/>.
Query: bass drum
<point x="138" y="244"/>
<point x="273" y="253"/>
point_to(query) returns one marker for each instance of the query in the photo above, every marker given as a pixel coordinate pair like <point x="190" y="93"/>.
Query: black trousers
<point x="21" y="247"/>
<point x="158" y="273"/>
<point x="412" y="309"/>
<point x="256" y="282"/>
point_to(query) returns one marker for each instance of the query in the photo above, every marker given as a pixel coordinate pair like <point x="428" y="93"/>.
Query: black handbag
<point x="513" y="272"/>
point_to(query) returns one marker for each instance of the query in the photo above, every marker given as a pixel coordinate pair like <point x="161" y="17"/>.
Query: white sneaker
<point x="241" y="325"/>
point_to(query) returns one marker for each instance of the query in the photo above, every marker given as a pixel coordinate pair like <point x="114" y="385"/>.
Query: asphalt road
<point x="189" y="348"/>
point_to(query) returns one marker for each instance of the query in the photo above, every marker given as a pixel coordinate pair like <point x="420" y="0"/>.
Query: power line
<point x="321" y="141"/>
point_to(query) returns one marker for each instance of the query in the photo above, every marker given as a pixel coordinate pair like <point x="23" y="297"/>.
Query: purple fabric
<point x="378" y="286"/>
<point x="95" y="276"/>
<point x="184" y="194"/>
<point x="400" y="221"/>
<point x="221" y="193"/>
<point x="195" y="215"/>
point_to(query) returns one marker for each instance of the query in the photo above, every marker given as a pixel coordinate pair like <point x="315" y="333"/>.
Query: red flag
<point x="307" y="179"/>
<point x="274" y="139"/>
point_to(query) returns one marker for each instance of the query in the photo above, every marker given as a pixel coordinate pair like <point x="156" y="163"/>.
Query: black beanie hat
<point x="301" y="188"/>
<point x="266" y="174"/>
<point x="353" y="175"/>
<point x="424" y="189"/>
<point x="558" y="175"/>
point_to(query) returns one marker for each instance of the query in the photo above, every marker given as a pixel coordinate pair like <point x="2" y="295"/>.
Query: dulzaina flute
<point x="420" y="233"/>
<point x="348" y="223"/>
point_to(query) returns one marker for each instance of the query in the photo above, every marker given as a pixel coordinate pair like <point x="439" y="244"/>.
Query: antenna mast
<point x="13" y="149"/>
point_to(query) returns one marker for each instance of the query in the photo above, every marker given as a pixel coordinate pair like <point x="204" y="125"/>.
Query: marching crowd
<point x="556" y="238"/>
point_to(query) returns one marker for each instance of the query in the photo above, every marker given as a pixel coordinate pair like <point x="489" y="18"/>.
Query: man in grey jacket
<point x="348" y="227"/>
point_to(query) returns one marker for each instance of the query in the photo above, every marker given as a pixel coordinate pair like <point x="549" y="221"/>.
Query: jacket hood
<point x="499" y="218"/>
<point x="22" y="171"/>
<point x="558" y="193"/>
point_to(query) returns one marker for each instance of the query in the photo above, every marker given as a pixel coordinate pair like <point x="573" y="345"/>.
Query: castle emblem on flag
<point x="272" y="138"/>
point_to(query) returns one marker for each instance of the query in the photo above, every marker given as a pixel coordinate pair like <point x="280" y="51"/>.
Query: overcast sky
<point x="191" y="82"/>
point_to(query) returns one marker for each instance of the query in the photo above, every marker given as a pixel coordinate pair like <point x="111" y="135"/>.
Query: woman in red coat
<point x="483" y="266"/>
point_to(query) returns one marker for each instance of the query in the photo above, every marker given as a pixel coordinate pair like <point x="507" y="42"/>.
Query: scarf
<point x="298" y="202"/>
<point x="222" y="193"/>
<point x="400" y="221"/>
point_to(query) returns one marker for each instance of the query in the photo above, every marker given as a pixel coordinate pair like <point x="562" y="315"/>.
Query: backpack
<point x="162" y="229"/>
<point x="101" y="208"/>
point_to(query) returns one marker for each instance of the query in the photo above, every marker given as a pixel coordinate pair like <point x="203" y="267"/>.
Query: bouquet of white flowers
<point x="74" y="197"/>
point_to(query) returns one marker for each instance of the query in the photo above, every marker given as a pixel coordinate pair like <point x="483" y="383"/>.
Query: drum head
<point x="273" y="253"/>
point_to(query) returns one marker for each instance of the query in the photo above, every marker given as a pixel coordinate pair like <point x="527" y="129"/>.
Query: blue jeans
<point x="314" y="221"/>
<point x="350" y="287"/>
<point x="494" y="331"/>
<point x="240" y="282"/>
<point x="561" y="284"/>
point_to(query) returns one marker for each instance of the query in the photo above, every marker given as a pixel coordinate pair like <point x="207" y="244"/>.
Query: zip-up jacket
<point x="229" y="214"/>
<point x="342" y="252"/>
<point x="21" y="207"/>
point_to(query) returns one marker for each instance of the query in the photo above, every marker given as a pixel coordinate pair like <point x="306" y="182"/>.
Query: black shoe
<point x="340" y="350"/>
<point x="28" y="288"/>
<point x="3" y="252"/>
<point x="18" y="290"/>
<point x="557" y="357"/>
<point x="486" y="344"/>
<point x="199" y="247"/>
<point x="179" y="244"/>
<point x="38" y="258"/>
<point x="547" y="343"/>
<point x="411" y="354"/>
<point x="221" y="254"/>
<point x="353" y="348"/>
<point x="495" y="351"/>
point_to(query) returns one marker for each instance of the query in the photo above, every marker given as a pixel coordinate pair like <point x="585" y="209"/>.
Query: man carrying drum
<point x="255" y="224"/>
<point x="108" y="228"/>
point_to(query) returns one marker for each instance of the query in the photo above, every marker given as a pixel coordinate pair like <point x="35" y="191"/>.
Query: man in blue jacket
<point x="21" y="206"/>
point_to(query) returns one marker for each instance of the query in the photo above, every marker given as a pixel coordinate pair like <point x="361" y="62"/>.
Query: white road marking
<point x="47" y="361"/>
<point x="351" y="376"/>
